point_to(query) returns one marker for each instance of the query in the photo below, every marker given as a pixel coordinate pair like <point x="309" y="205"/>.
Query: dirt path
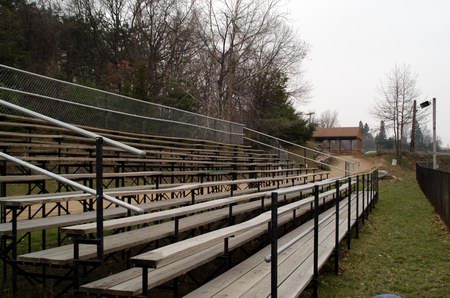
<point x="364" y="165"/>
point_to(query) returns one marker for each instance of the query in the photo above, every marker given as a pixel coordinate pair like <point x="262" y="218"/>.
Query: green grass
<point x="403" y="248"/>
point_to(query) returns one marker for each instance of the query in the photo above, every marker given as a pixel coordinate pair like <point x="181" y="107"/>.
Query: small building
<point x="339" y="140"/>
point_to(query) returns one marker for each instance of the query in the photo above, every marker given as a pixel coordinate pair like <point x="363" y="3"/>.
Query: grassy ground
<point x="403" y="248"/>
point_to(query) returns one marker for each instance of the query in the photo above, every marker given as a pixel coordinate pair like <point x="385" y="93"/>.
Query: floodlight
<point x="425" y="104"/>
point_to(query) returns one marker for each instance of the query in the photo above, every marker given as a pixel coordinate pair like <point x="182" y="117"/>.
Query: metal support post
<point x="316" y="242"/>
<point x="372" y="190"/>
<point x="14" y="252"/>
<point x="363" y="198"/>
<point x="336" y="243"/>
<point x="349" y="209"/>
<point x="274" y="246"/>
<point x="2" y="191"/>
<point x="145" y="281"/>
<point x="377" y="186"/>
<point x="434" y="135"/>
<point x="99" y="197"/>
<point x="368" y="196"/>
<point x="357" y="208"/>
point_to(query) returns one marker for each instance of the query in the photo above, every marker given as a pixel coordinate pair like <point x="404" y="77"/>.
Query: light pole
<point x="424" y="105"/>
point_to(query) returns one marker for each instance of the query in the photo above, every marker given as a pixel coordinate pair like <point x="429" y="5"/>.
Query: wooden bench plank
<point x="163" y="256"/>
<point x="38" y="224"/>
<point x="251" y="278"/>
<point x="133" y="285"/>
<point x="64" y="254"/>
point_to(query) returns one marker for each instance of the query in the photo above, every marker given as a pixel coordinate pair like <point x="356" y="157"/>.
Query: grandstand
<point x="89" y="209"/>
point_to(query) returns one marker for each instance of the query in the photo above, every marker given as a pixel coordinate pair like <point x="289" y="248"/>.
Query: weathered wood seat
<point x="38" y="224"/>
<point x="142" y="190"/>
<point x="251" y="278"/>
<point x="129" y="282"/>
<point x="64" y="254"/>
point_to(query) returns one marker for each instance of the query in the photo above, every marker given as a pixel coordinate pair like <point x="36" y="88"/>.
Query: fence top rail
<point x="113" y="94"/>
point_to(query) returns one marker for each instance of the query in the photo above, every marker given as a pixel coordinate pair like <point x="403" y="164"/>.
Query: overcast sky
<point x="354" y="43"/>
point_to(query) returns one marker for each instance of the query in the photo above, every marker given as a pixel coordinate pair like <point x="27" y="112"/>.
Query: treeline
<point x="234" y="59"/>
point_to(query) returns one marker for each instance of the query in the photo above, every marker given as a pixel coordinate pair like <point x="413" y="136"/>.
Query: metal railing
<point x="69" y="182"/>
<point x="98" y="241"/>
<point x="349" y="166"/>
<point x="364" y="184"/>
<point x="435" y="184"/>
<point x="81" y="105"/>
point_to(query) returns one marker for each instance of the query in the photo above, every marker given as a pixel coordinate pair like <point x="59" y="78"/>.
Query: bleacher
<point x="204" y="203"/>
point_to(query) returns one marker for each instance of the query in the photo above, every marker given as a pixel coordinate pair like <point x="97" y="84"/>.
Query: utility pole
<point x="424" y="105"/>
<point x="434" y="134"/>
<point x="310" y="114"/>
<point x="413" y="129"/>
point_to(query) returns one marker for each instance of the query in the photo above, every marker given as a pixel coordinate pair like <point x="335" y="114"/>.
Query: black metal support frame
<point x="274" y="245"/>
<point x="370" y="191"/>
<point x="98" y="240"/>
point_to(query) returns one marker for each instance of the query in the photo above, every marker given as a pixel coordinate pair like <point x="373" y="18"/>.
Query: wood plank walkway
<point x="251" y="278"/>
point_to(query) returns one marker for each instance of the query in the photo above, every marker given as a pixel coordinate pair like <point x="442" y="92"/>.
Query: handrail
<point x="300" y="146"/>
<point x="295" y="154"/>
<point x="73" y="128"/>
<point x="292" y="189"/>
<point x="70" y="182"/>
<point x="294" y="240"/>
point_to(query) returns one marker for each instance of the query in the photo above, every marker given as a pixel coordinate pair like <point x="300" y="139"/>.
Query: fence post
<point x="99" y="196"/>
<point x="274" y="246"/>
<point x="349" y="209"/>
<point x="357" y="208"/>
<point x="369" y="198"/>
<point x="316" y="242"/>
<point x="363" y="210"/>
<point x="336" y="244"/>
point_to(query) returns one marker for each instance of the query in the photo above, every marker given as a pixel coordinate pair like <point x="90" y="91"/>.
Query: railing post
<point x="349" y="209"/>
<point x="2" y="190"/>
<point x="274" y="246"/>
<point x="369" y="198"/>
<point x="363" y="210"/>
<point x="14" y="251"/>
<point x="316" y="242"/>
<point x="377" y="187"/>
<point x="99" y="197"/>
<point x="357" y="208"/>
<point x="336" y="243"/>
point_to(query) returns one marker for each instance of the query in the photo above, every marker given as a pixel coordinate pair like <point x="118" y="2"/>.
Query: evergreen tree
<point x="381" y="137"/>
<point x="366" y="129"/>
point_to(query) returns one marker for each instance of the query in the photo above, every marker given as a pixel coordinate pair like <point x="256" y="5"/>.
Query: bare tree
<point x="328" y="119"/>
<point x="243" y="41"/>
<point x="395" y="102"/>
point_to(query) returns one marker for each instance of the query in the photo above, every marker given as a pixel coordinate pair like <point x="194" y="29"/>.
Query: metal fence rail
<point x="435" y="184"/>
<point x="83" y="105"/>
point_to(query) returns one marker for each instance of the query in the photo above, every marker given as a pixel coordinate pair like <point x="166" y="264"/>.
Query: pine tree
<point x="381" y="137"/>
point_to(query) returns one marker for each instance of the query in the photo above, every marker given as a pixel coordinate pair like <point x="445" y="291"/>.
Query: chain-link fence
<point x="83" y="105"/>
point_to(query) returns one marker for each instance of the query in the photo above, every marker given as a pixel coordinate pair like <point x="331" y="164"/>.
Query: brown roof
<point x="337" y="132"/>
